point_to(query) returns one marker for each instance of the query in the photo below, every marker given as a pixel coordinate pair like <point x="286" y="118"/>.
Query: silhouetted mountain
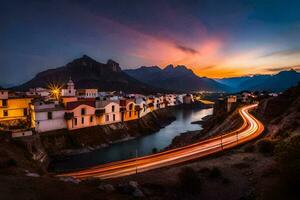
<point x="88" y="73"/>
<point x="233" y="82"/>
<point x="177" y="78"/>
<point x="277" y="83"/>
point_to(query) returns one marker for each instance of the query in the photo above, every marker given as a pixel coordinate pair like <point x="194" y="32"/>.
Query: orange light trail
<point x="250" y="129"/>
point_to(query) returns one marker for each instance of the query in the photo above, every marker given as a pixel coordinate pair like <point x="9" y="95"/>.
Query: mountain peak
<point x="89" y="73"/>
<point x="82" y="61"/>
<point x="169" y="67"/>
<point x="85" y="57"/>
<point x="115" y="66"/>
<point x="182" y="68"/>
<point x="291" y="71"/>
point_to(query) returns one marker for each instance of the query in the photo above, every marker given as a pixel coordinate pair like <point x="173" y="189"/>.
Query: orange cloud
<point x="206" y="56"/>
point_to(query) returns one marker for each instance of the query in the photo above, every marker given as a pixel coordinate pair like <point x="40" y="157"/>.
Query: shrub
<point x="215" y="172"/>
<point x="241" y="165"/>
<point x="225" y="181"/>
<point x="92" y="181"/>
<point x="189" y="180"/>
<point x="287" y="153"/>
<point x="154" y="150"/>
<point x="9" y="162"/>
<point x="265" y="146"/>
<point x="12" y="162"/>
<point x="249" y="148"/>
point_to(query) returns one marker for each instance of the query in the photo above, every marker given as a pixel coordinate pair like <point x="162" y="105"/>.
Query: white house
<point x="87" y="93"/>
<point x="70" y="91"/>
<point x="171" y="99"/>
<point x="179" y="98"/>
<point x="43" y="92"/>
<point x="47" y="116"/>
<point x="161" y="102"/>
<point x="80" y="114"/>
<point x="188" y="99"/>
<point x="3" y="94"/>
<point x="142" y="106"/>
<point x="108" y="111"/>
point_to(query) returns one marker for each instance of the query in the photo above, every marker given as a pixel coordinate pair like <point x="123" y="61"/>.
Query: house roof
<point x="56" y="108"/>
<point x="103" y="103"/>
<point x="75" y="104"/>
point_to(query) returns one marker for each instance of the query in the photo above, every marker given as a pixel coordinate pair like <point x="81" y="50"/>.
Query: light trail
<point x="250" y="129"/>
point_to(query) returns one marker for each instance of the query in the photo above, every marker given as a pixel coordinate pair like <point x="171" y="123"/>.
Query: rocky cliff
<point x="88" y="73"/>
<point x="282" y="114"/>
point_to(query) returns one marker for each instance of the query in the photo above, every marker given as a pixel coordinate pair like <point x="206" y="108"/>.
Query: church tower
<point x="70" y="91"/>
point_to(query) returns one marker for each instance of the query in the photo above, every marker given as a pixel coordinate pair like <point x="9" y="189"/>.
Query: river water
<point x="136" y="147"/>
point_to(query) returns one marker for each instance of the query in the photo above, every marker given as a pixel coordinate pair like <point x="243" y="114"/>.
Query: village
<point x="42" y="110"/>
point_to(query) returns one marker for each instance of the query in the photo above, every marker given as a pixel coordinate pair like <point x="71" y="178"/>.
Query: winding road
<point x="250" y="129"/>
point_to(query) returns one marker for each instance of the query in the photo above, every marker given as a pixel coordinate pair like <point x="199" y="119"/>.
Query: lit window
<point x="113" y="108"/>
<point x="25" y="111"/>
<point x="49" y="115"/>
<point x="4" y="102"/>
<point x="5" y="113"/>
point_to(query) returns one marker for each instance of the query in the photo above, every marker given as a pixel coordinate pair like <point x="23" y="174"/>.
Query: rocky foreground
<point x="267" y="168"/>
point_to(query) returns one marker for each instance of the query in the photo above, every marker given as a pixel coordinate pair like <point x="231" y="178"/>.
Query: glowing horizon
<point x="213" y="39"/>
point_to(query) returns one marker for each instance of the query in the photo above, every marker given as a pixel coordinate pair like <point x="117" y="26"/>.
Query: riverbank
<point x="212" y="125"/>
<point x="140" y="146"/>
<point x="63" y="142"/>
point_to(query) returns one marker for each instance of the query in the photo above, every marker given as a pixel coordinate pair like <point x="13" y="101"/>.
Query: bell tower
<point x="70" y="91"/>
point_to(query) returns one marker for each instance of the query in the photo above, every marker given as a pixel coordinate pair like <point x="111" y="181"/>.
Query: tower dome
<point x="70" y="84"/>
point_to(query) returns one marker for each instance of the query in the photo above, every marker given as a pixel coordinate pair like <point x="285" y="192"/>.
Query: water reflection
<point x="142" y="145"/>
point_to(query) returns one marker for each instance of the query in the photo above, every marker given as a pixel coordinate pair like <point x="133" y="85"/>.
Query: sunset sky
<point x="215" y="38"/>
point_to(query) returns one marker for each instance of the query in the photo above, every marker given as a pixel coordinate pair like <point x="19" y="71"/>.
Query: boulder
<point x="106" y="187"/>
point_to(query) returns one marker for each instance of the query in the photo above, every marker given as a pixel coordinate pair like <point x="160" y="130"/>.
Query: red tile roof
<point x="75" y="104"/>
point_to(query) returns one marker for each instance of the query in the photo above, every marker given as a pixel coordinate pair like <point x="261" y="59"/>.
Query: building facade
<point x="108" y="112"/>
<point x="14" y="111"/>
<point x="70" y="91"/>
<point x="47" y="116"/>
<point x="80" y="114"/>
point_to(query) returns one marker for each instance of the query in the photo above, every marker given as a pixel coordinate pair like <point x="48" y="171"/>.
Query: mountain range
<point x="177" y="78"/>
<point x="88" y="73"/>
<point x="276" y="83"/>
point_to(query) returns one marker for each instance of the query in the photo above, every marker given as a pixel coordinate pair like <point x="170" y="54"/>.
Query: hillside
<point x="88" y="73"/>
<point x="282" y="113"/>
<point x="177" y="78"/>
<point x="277" y="82"/>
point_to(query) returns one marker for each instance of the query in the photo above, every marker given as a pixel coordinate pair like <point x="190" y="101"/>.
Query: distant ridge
<point x="88" y="73"/>
<point x="178" y="78"/>
<point x="276" y="83"/>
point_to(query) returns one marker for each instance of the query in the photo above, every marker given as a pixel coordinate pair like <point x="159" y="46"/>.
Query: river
<point x="136" y="147"/>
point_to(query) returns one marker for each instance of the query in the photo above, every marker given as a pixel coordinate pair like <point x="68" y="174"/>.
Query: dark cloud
<point x="186" y="49"/>
<point x="278" y="69"/>
<point x="286" y="52"/>
<point x="208" y="67"/>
